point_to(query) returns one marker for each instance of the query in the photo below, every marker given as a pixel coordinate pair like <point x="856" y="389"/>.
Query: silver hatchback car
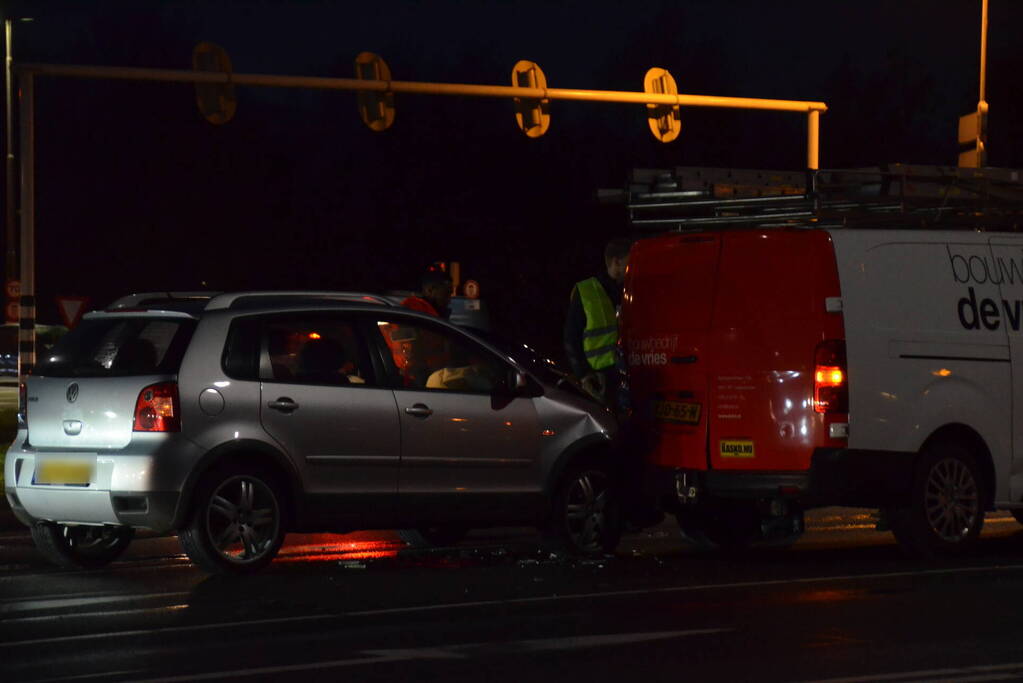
<point x="233" y="419"/>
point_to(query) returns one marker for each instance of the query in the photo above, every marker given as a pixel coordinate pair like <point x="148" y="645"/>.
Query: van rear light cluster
<point x="830" y="380"/>
<point x="158" y="409"/>
<point x="23" y="401"/>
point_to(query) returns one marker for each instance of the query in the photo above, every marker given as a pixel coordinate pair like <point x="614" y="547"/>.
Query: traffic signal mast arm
<point x="812" y="109"/>
<point x="423" y="88"/>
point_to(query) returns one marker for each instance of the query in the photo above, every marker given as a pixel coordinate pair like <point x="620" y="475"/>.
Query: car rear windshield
<point x="119" y="347"/>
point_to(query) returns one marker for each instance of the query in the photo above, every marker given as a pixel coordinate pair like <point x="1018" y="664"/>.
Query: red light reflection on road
<point x="360" y="545"/>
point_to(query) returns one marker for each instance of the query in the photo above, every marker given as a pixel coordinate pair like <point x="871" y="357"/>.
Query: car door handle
<point x="283" y="404"/>
<point x="419" y="410"/>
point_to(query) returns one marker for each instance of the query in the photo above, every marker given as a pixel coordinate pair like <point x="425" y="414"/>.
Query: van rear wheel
<point x="946" y="511"/>
<point x="81" y="546"/>
<point x="717" y="526"/>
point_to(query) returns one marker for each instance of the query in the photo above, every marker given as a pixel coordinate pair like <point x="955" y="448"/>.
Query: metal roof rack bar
<point x="925" y="196"/>
<point x="133" y="300"/>
<point x="226" y="301"/>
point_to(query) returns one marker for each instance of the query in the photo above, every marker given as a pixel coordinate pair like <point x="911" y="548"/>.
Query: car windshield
<point x="119" y="346"/>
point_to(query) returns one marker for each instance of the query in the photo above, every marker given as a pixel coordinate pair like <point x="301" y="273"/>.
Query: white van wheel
<point x="946" y="510"/>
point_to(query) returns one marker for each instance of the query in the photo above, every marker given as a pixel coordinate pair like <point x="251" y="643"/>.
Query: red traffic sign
<point x="13" y="289"/>
<point x="472" y="289"/>
<point x="71" y="309"/>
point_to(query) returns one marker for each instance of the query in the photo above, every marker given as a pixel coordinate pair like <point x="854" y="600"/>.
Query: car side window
<point x="315" y="349"/>
<point x="241" y="352"/>
<point x="427" y="357"/>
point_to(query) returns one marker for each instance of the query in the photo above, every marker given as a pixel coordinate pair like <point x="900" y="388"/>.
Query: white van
<point x="778" y="365"/>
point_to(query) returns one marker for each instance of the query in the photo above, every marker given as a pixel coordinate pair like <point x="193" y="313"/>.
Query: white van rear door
<point x="920" y="354"/>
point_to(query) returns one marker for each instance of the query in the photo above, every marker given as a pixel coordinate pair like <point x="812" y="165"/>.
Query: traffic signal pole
<point x="26" y="149"/>
<point x="973" y="126"/>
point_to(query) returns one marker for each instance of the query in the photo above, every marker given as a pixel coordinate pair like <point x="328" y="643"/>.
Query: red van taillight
<point x="830" y="380"/>
<point x="158" y="409"/>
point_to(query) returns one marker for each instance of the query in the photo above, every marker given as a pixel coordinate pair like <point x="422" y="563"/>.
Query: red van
<point x="736" y="371"/>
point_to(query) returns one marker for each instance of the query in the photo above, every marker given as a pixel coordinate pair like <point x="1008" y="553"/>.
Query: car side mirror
<point x="518" y="382"/>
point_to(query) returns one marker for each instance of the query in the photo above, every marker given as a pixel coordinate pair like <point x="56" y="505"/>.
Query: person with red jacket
<point x="418" y="355"/>
<point x="435" y="295"/>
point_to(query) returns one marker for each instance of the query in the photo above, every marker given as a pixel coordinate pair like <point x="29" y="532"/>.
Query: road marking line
<point x="988" y="672"/>
<point x="517" y="601"/>
<point x="459" y="651"/>
<point x="95" y="615"/>
<point x="686" y="589"/>
<point x="86" y="677"/>
<point x="169" y="629"/>
<point x="10" y="606"/>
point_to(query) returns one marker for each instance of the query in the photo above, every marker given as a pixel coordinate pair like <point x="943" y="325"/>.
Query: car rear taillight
<point x="23" y="402"/>
<point x="158" y="409"/>
<point x="830" y="380"/>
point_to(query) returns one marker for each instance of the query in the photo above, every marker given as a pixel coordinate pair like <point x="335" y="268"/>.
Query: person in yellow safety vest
<point x="591" y="327"/>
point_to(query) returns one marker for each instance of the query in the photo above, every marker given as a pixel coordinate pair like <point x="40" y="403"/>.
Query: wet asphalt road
<point x="841" y="604"/>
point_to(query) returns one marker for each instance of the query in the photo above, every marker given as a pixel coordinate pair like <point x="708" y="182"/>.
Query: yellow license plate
<point x="63" y="472"/>
<point x="680" y="412"/>
<point x="736" y="448"/>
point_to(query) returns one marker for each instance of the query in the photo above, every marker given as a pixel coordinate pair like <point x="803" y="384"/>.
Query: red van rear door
<point x="666" y="321"/>
<point x="770" y="315"/>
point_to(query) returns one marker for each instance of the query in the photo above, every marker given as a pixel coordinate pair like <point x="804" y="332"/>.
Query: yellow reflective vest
<point x="601" y="333"/>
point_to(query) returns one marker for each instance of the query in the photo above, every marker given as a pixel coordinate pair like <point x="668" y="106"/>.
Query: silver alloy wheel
<point x="951" y="500"/>
<point x="586" y="510"/>
<point x="242" y="519"/>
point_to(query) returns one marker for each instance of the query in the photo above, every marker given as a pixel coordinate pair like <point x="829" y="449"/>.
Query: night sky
<point x="136" y="192"/>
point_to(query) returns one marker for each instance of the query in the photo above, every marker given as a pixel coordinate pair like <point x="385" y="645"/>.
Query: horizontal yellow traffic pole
<point x="322" y="83"/>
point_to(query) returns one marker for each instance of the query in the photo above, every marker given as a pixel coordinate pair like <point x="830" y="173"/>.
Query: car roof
<point x="197" y="304"/>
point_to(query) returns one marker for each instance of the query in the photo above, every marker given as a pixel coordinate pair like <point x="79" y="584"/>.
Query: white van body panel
<point x="928" y="329"/>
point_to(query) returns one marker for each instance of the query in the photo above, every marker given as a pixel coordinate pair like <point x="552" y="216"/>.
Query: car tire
<point x="237" y="523"/>
<point x="432" y="536"/>
<point x="586" y="513"/>
<point x="81" y="546"/>
<point x="946" y="511"/>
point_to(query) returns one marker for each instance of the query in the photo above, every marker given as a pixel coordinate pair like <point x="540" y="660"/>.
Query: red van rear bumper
<point x="837" y="476"/>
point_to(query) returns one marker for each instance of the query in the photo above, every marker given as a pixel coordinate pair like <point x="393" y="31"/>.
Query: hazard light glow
<point x="334" y="547"/>
<point x="830" y="388"/>
<point x="830" y="376"/>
